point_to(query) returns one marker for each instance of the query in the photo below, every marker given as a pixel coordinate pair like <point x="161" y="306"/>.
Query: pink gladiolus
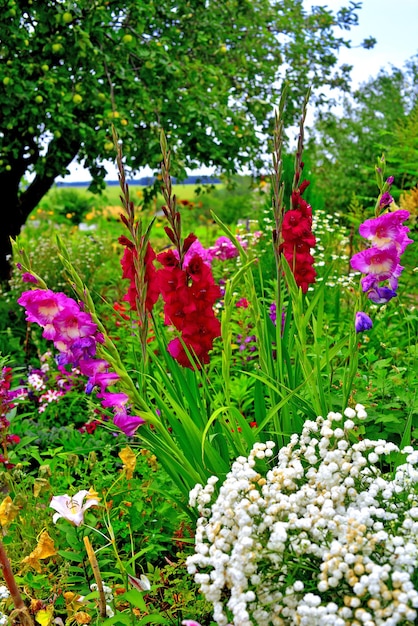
<point x="115" y="400"/>
<point x="387" y="231"/>
<point x="43" y="305"/>
<point x="379" y="262"/>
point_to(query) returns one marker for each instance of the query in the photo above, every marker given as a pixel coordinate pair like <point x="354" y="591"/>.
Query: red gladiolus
<point x="128" y="267"/>
<point x="189" y="295"/>
<point x="298" y="239"/>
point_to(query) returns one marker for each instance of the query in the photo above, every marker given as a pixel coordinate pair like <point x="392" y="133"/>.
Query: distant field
<point x="112" y="192"/>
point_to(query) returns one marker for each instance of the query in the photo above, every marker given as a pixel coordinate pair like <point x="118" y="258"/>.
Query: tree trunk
<point x="16" y="209"/>
<point x="17" y="205"/>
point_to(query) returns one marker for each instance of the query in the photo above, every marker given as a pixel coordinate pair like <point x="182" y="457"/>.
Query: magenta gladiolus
<point x="43" y="305"/>
<point x="128" y="424"/>
<point x="387" y="231"/>
<point x="381" y="263"/>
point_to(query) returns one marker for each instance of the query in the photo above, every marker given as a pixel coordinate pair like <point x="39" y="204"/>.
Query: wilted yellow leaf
<point x="44" y="616"/>
<point x="81" y="617"/>
<point x="8" y="511"/>
<point x="39" y="484"/>
<point x="128" y="457"/>
<point x="43" y="550"/>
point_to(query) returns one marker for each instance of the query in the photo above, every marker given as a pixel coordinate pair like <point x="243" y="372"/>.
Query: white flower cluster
<point x="4" y="594"/>
<point x="108" y="593"/>
<point x="323" y="537"/>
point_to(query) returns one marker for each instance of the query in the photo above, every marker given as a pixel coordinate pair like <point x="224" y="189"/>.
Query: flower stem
<point x="10" y="581"/>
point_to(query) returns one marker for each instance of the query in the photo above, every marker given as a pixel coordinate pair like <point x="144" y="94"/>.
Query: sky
<point x="393" y="23"/>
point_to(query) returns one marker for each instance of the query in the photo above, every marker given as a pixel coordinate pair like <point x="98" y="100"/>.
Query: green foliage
<point x="69" y="205"/>
<point x="70" y="72"/>
<point x="379" y="117"/>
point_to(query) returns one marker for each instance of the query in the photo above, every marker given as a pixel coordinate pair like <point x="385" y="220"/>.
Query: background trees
<point x="207" y="71"/>
<point x="381" y="116"/>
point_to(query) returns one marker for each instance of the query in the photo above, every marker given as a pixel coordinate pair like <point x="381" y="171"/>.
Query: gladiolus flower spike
<point x="381" y="262"/>
<point x="76" y="336"/>
<point x="298" y="239"/>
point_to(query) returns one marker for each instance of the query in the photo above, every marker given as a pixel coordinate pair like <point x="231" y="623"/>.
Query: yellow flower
<point x="44" y="616"/>
<point x="128" y="458"/>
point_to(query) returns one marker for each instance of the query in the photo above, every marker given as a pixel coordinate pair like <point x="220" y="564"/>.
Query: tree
<point x="380" y="117"/>
<point x="208" y="71"/>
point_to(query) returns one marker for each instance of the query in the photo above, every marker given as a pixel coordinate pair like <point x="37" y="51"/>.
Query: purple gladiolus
<point x="381" y="262"/>
<point x="363" y="322"/>
<point x="128" y="424"/>
<point x="381" y="295"/>
<point x="385" y="200"/>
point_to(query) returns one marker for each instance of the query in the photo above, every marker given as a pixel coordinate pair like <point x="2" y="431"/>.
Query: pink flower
<point x="387" y="231"/>
<point x="115" y="400"/>
<point x="71" y="324"/>
<point x="43" y="305"/>
<point x="29" y="278"/>
<point x="381" y="262"/>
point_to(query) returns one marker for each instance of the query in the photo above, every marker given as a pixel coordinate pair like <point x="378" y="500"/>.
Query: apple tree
<point x="207" y="71"/>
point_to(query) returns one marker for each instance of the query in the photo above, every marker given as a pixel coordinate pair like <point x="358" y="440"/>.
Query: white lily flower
<point x="72" y="508"/>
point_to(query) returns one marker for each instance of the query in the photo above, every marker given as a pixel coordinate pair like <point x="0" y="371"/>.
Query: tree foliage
<point x="380" y="117"/>
<point x="208" y="71"/>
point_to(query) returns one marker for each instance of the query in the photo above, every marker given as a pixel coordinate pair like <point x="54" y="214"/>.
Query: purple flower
<point x="128" y="424"/>
<point x="29" y="278"/>
<point x="385" y="200"/>
<point x="363" y="322"/>
<point x="115" y="400"/>
<point x="273" y="315"/>
<point x="381" y="295"/>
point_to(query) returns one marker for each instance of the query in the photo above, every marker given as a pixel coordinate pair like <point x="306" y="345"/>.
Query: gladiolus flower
<point x="128" y="424"/>
<point x="387" y="231"/>
<point x="363" y="322"/>
<point x="72" y="508"/>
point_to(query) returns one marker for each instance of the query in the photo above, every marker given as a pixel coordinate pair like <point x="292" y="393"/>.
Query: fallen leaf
<point x="43" y="550"/>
